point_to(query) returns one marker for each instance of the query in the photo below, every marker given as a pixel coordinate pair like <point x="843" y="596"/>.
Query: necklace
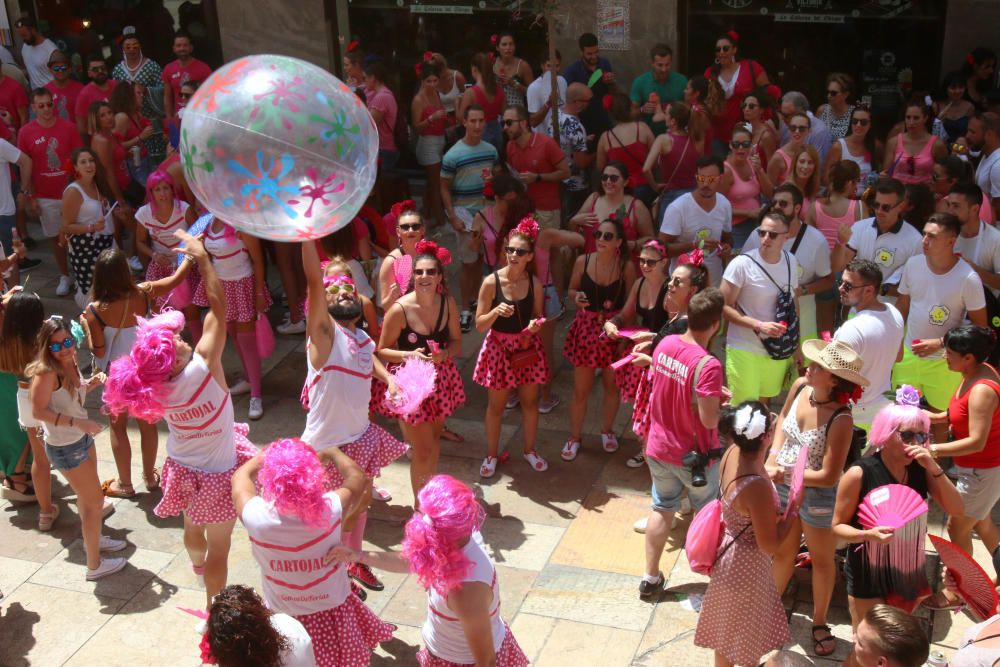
<point x="814" y="403"/>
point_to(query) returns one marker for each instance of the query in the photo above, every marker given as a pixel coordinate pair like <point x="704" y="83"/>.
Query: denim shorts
<point x="817" y="505"/>
<point x="551" y="304"/>
<point x="68" y="457"/>
<point x="669" y="482"/>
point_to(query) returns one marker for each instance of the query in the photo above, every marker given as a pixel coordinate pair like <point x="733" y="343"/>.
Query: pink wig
<point x="436" y="534"/>
<point x="893" y="418"/>
<point x="137" y="383"/>
<point x="293" y="478"/>
<point x="156" y="178"/>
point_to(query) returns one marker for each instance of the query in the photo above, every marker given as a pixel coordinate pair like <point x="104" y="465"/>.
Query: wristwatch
<point x="934" y="451"/>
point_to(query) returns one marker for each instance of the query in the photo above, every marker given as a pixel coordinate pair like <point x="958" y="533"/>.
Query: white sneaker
<point x="65" y="286"/>
<point x="111" y="544"/>
<point x="292" y="328"/>
<point x="136" y="264"/>
<point x="256" y="410"/>
<point x="107" y="566"/>
<point x="640" y="525"/>
<point x="240" y="388"/>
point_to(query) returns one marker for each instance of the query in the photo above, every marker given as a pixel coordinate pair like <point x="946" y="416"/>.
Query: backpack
<point x="705" y="533"/>
<point x="783" y="346"/>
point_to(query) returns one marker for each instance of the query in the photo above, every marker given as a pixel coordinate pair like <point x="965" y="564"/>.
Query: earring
<point x="718" y="61"/>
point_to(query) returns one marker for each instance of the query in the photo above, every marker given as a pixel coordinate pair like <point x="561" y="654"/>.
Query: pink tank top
<point x="917" y="168"/>
<point x="830" y="225"/>
<point x="677" y="168"/>
<point x="743" y="194"/>
<point x="633" y="155"/>
<point x="542" y="266"/>
<point x="434" y="128"/>
<point x="788" y="164"/>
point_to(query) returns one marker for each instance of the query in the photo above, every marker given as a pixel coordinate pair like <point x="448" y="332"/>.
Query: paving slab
<point x="602" y="538"/>
<point x="526" y="546"/>
<point x="585" y="645"/>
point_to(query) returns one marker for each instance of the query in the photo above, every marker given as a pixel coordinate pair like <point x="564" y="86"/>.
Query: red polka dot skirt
<point x="493" y="366"/>
<point x="448" y="396"/>
<point x="240" y="303"/>
<point x="640" y="413"/>
<point x="183" y="293"/>
<point x="586" y="345"/>
<point x="509" y="655"/>
<point x="375" y="449"/>
<point x="346" y="635"/>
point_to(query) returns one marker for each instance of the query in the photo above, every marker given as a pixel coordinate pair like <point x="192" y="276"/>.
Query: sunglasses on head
<point x="66" y="344"/>
<point x="612" y="178"/>
<point x="605" y="236"/>
<point x="425" y="272"/>
<point x="336" y="288"/>
<point x="649" y="262"/>
<point x="921" y="437"/>
<point x="798" y="128"/>
<point x="410" y="227"/>
<point x="885" y="208"/>
<point x="507" y="122"/>
<point x="741" y="144"/>
<point x="520" y="252"/>
<point x="862" y="122"/>
<point x="769" y="234"/>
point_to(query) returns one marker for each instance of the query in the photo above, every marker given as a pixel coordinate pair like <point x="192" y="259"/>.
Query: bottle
<point x="15" y="241"/>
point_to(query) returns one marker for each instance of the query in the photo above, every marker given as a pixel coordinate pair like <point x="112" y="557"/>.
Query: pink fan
<point x="197" y="613"/>
<point x="402" y="268"/>
<point x="415" y="379"/>
<point x="628" y="333"/>
<point x="972" y="583"/>
<point x="796" y="486"/>
<point x="621" y="363"/>
<point x="892" y="505"/>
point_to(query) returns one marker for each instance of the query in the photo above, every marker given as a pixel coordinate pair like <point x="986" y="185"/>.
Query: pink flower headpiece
<point x="399" y="208"/>
<point x="969" y="59"/>
<point x="425" y="247"/>
<point x="353" y="46"/>
<point x="908" y="395"/>
<point x="528" y="226"/>
<point x="695" y="257"/>
<point x="657" y="246"/>
<point x="494" y="39"/>
<point x="337" y="280"/>
<point x="733" y="36"/>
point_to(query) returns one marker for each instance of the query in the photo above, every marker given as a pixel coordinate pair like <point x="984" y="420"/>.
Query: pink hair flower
<point x="908" y="395"/>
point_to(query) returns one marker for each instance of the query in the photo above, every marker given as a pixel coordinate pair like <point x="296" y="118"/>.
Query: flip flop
<point x="817" y="643"/>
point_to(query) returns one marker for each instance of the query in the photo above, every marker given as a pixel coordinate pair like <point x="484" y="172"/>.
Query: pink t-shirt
<point x="384" y="101"/>
<point x="176" y="76"/>
<point x="65" y="98"/>
<point x="671" y="418"/>
<point x="90" y="94"/>
<point x="12" y="98"/>
<point x="50" y="149"/>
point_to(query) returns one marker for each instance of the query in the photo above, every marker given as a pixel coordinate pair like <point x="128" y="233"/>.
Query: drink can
<point x="937" y="659"/>
<point x="136" y="155"/>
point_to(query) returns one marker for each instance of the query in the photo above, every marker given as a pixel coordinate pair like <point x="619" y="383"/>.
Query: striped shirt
<point x="463" y="165"/>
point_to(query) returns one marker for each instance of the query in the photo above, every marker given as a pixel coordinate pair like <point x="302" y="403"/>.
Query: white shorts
<point x="50" y="216"/>
<point x="430" y="148"/>
<point x="979" y="488"/>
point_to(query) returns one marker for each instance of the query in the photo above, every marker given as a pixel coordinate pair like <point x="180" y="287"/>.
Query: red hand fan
<point x="402" y="268"/>
<point x="796" y="486"/>
<point x="973" y="584"/>
<point x="892" y="505"/>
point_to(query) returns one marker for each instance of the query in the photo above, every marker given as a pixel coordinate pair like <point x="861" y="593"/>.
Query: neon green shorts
<point x="750" y="375"/>
<point x="930" y="376"/>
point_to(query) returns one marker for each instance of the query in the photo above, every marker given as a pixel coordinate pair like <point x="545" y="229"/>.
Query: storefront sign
<point x="809" y="18"/>
<point x="440" y="9"/>
<point x="613" y="24"/>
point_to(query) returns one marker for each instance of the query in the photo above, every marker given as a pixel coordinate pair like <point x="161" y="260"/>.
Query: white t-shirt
<point x="938" y="303"/>
<point x="36" y="61"/>
<point x="689" y="222"/>
<point x="8" y="153"/>
<point x="758" y="295"/>
<point x="988" y="175"/>
<point x="876" y="336"/>
<point x="538" y="94"/>
<point x="982" y="249"/>
<point x="889" y="250"/>
<point x="300" y="650"/>
<point x="813" y="257"/>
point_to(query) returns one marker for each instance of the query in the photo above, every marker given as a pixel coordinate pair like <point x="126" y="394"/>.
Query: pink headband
<point x="657" y="246"/>
<point x="337" y="280"/>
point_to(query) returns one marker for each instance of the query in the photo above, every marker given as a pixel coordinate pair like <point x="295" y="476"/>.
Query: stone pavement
<point x="568" y="561"/>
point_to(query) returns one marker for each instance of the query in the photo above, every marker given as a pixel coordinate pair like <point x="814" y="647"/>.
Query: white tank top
<point x="199" y="415"/>
<point x="91" y="210"/>
<point x="230" y="258"/>
<point x="863" y="162"/>
<point x="337" y="394"/>
<point x="442" y="632"/>
<point x="450" y="99"/>
<point x="162" y="235"/>
<point x="68" y="406"/>
<point x="290" y="555"/>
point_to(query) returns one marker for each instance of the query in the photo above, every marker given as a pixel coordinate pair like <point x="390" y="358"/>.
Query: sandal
<point x="637" y="461"/>
<point x="610" y="442"/>
<point x="489" y="467"/>
<point x="154" y="483"/>
<point x="17" y="491"/>
<point x="46" y="519"/>
<point x="451" y="436"/>
<point x="122" y="490"/>
<point x="940" y="601"/>
<point x="828" y="637"/>
<point x="537" y="462"/>
<point x="570" y="450"/>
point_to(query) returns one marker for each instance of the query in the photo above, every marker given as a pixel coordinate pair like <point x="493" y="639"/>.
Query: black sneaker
<point x="27" y="264"/>
<point x="650" y="589"/>
<point x="465" y="321"/>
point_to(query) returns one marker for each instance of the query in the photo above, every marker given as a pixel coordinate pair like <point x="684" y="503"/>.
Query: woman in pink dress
<point x="741" y="593"/>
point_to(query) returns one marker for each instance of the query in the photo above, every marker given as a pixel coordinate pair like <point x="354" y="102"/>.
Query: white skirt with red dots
<point x="241" y="305"/>
<point x="509" y="654"/>
<point x="493" y="366"/>
<point x="586" y="345"/>
<point x="640" y="413"/>
<point x="448" y="396"/>
<point x="375" y="449"/>
<point x="346" y="635"/>
<point x="181" y="295"/>
<point x="203" y="497"/>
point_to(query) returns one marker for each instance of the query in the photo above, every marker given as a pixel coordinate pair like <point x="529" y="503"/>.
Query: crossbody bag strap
<point x="773" y="281"/>
<point x="795" y="245"/>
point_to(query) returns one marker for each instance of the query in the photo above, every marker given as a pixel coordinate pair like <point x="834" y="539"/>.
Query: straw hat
<point x="837" y="357"/>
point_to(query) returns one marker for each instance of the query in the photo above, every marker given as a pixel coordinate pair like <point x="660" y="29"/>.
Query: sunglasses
<point x="771" y="235"/>
<point x="66" y="344"/>
<point x="779" y="203"/>
<point x="703" y="179"/>
<point x="885" y="208"/>
<point x="605" y="236"/>
<point x="336" y="288"/>
<point x="649" y="262"/>
<point x="612" y="178"/>
<point x="909" y="436"/>
<point x="44" y="105"/>
<point x="98" y="69"/>
<point x="58" y="68"/>
<point x="676" y="282"/>
<point x="520" y="252"/>
<point x="750" y="105"/>
<point x="798" y="128"/>
<point x="430" y="273"/>
<point x="741" y="144"/>
<point x="411" y="227"/>
<point x="507" y="122"/>
<point x="848" y="287"/>
<point x="723" y="49"/>
<point x="185" y="96"/>
<point x="863" y="122"/>
<point x="833" y="93"/>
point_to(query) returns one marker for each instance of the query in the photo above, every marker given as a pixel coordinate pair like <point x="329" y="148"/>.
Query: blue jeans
<point x="68" y="457"/>
<point x="817" y="504"/>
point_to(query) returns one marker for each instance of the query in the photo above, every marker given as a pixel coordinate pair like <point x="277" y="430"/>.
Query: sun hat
<point x="837" y="357"/>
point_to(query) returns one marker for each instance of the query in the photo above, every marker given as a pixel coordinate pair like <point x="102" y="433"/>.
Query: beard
<point x="345" y="313"/>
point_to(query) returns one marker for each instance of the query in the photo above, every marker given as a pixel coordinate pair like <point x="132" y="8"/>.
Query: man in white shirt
<point x="702" y="219"/>
<point x="984" y="134"/>
<point x="9" y="154"/>
<point x="539" y="95"/>
<point x="875" y="333"/>
<point x="751" y="286"/>
<point x="35" y="52"/>
<point x="979" y="243"/>
<point x="811" y="251"/>
<point x="937" y="290"/>
<point x="885" y="239"/>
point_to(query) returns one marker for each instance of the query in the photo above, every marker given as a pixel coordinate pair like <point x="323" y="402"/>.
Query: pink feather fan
<point x="415" y="379"/>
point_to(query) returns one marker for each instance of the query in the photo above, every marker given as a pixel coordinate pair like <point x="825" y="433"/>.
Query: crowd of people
<point x="853" y="278"/>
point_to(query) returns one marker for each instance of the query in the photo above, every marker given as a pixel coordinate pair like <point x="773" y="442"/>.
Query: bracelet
<point x="938" y="474"/>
